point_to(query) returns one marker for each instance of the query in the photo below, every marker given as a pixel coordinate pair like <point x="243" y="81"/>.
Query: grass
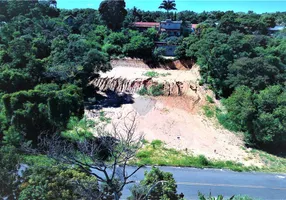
<point x="272" y="163"/>
<point x="103" y="118"/>
<point x="156" y="153"/>
<point x="153" y="74"/>
<point x="209" y="111"/>
<point x="209" y="99"/>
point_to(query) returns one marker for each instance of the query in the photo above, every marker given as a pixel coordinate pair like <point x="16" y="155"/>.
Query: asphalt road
<point x="190" y="181"/>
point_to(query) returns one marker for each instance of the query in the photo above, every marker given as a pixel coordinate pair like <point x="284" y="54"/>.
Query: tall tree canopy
<point x="113" y="12"/>
<point x="168" y="5"/>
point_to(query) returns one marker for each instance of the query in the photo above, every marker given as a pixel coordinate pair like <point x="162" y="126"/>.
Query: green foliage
<point x="113" y="13"/>
<point x="156" y="143"/>
<point x="167" y="190"/>
<point x="209" y="99"/>
<point x="151" y="74"/>
<point x="103" y="118"/>
<point x="220" y="197"/>
<point x="12" y="136"/>
<point x="143" y="91"/>
<point x="168" y="5"/>
<point x="9" y="179"/>
<point x="37" y="111"/>
<point x="139" y="46"/>
<point x="42" y="182"/>
<point x="256" y="73"/>
<point x="154" y="90"/>
<point x="37" y="160"/>
<point x="225" y="120"/>
<point x="260" y="116"/>
<point x="209" y="111"/>
<point x="162" y="156"/>
<point x="78" y="130"/>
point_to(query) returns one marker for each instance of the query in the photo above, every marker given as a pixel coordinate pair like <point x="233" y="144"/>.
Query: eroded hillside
<point x="175" y="118"/>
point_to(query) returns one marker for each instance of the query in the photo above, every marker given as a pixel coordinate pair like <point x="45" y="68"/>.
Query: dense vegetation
<point x="47" y="57"/>
<point x="242" y="63"/>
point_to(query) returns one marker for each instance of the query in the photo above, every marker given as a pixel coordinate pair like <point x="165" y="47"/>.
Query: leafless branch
<point x="105" y="157"/>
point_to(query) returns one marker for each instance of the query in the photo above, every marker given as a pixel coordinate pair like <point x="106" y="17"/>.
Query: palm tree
<point x="168" y="5"/>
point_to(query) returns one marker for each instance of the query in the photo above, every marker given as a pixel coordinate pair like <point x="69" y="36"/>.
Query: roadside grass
<point x="220" y="197"/>
<point x="272" y="163"/>
<point x="153" y="74"/>
<point x="155" y="153"/>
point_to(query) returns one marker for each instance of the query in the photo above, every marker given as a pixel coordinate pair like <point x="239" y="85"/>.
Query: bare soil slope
<point x="178" y="121"/>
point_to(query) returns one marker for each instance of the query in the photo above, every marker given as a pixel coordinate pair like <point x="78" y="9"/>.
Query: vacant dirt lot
<point x="178" y="121"/>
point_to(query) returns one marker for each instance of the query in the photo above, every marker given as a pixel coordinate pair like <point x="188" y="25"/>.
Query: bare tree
<point x="106" y="156"/>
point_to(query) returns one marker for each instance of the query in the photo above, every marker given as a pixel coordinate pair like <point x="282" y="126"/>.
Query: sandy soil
<point x="178" y="121"/>
<point x="137" y="73"/>
<point x="170" y="119"/>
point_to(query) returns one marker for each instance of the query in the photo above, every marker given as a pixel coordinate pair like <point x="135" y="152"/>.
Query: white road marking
<point x="229" y="185"/>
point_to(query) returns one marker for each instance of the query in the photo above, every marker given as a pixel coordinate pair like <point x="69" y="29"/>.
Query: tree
<point x="139" y="46"/>
<point x="168" y="5"/>
<point x="161" y="185"/>
<point x="241" y="109"/>
<point x="57" y="182"/>
<point x="46" y="109"/>
<point x="105" y="156"/>
<point x="269" y="124"/>
<point x="113" y="12"/>
<point x="9" y="178"/>
<point x="255" y="73"/>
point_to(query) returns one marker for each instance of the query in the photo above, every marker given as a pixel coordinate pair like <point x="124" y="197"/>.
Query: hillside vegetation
<point x="48" y="56"/>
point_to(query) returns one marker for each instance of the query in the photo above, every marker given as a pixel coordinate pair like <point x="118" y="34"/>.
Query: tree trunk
<point x="116" y="196"/>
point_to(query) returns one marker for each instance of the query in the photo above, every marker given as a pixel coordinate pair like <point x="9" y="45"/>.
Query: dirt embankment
<point x="139" y="63"/>
<point x="177" y="118"/>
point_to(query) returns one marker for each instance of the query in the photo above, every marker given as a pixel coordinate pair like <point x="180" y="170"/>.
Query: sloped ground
<point x="178" y="120"/>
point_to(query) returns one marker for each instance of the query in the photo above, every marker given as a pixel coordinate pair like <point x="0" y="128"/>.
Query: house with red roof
<point x="143" y="26"/>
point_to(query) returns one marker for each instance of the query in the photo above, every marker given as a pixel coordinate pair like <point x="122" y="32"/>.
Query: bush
<point x="143" y="154"/>
<point x="152" y="74"/>
<point x="209" y="111"/>
<point x="41" y="110"/>
<point x="156" y="143"/>
<point x="209" y="99"/>
<point x="154" y="90"/>
<point x="143" y="91"/>
<point x="203" y="160"/>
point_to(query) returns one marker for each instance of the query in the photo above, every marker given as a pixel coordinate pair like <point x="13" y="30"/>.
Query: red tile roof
<point x="146" y="24"/>
<point x="194" y="26"/>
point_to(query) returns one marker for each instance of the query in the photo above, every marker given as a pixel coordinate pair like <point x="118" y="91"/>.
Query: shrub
<point x="209" y="111"/>
<point x="156" y="90"/>
<point x="143" y="154"/>
<point x="156" y="143"/>
<point x="143" y="91"/>
<point x="203" y="160"/>
<point x="152" y="74"/>
<point x="209" y="99"/>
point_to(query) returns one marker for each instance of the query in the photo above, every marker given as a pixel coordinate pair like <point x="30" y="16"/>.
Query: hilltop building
<point x="172" y="28"/>
<point x="169" y="27"/>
